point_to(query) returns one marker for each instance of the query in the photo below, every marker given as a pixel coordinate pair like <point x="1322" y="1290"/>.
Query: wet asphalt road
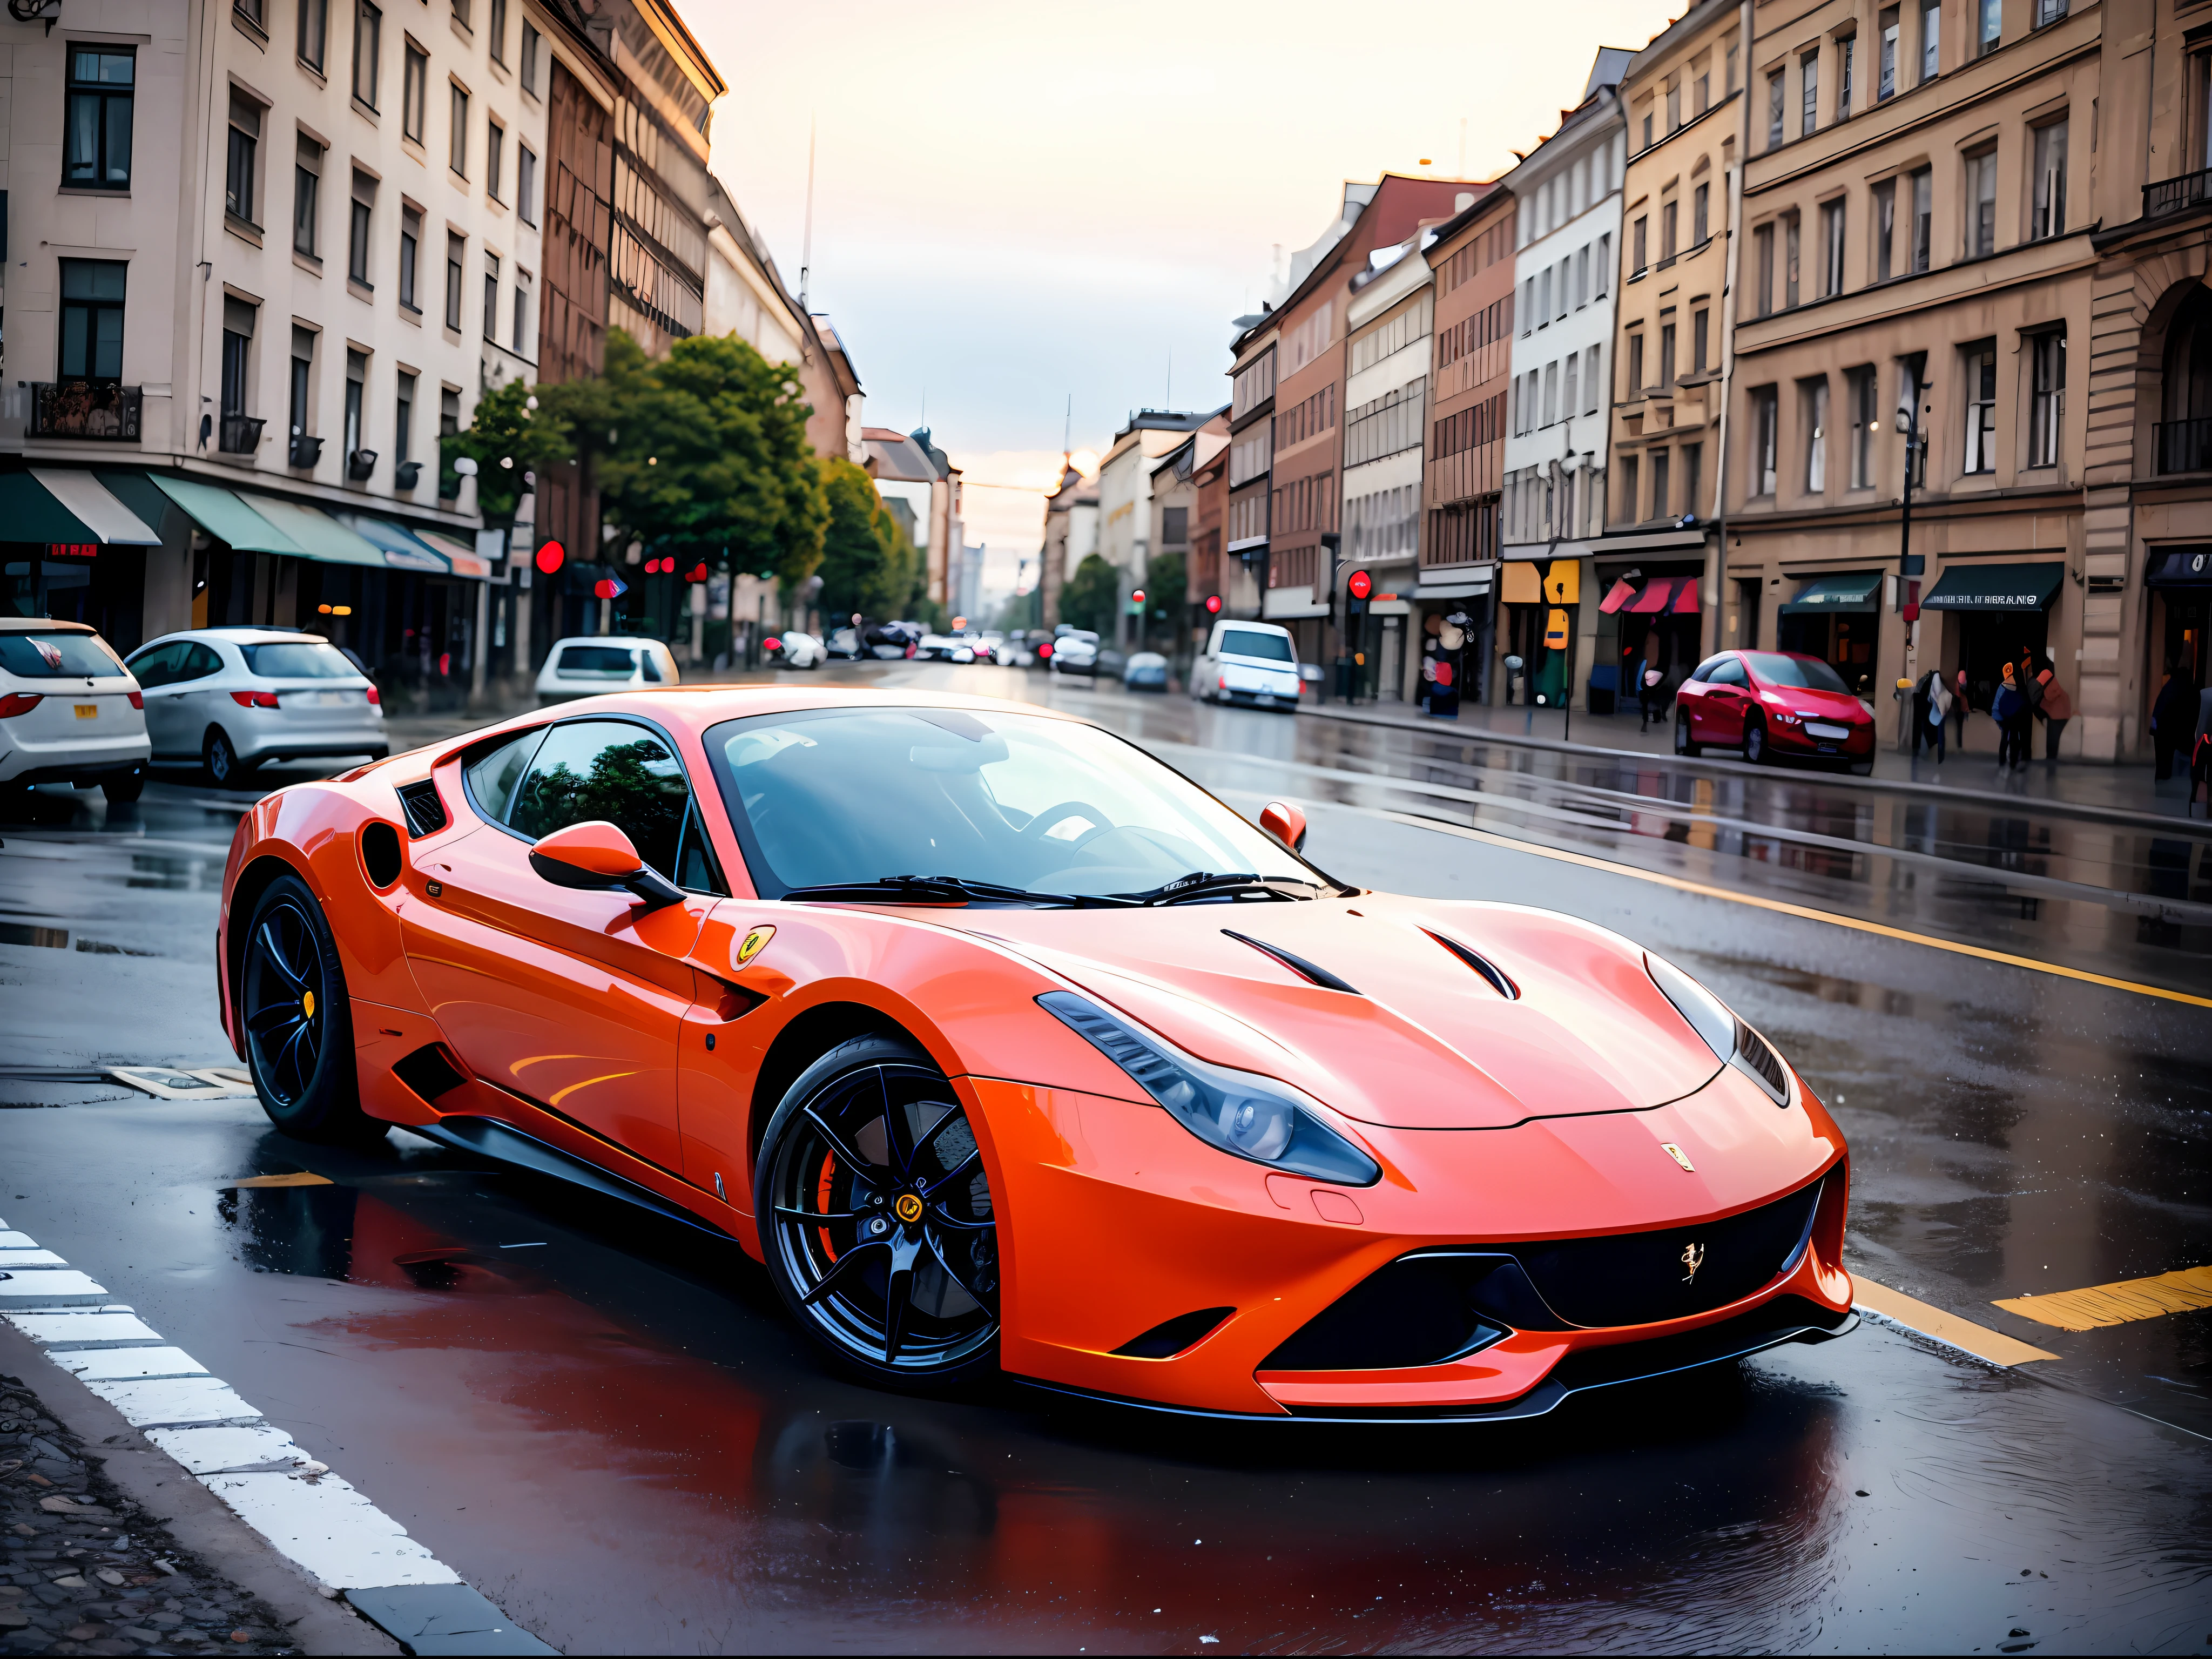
<point x="607" y="1425"/>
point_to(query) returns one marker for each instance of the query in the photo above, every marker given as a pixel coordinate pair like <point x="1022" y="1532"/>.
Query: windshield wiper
<point x="1204" y="884"/>
<point x="941" y="889"/>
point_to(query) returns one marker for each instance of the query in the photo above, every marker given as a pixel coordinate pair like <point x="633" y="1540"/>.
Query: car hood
<point x="1423" y="1040"/>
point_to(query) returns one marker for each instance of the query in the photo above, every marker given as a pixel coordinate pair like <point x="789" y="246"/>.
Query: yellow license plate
<point x="88" y="711"/>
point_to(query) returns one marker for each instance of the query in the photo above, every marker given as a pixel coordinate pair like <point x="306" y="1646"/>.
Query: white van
<point x="1252" y="663"/>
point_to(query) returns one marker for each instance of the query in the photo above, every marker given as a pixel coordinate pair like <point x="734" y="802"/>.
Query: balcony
<point x="360" y="465"/>
<point x="85" y="408"/>
<point x="2184" y="445"/>
<point x="305" y="451"/>
<point x="2177" y="195"/>
<point x="240" y="435"/>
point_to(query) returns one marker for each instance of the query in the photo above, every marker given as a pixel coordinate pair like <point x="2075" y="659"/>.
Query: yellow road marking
<point x="1805" y="912"/>
<point x="1980" y="1342"/>
<point x="300" y="1178"/>
<point x="2117" y="1303"/>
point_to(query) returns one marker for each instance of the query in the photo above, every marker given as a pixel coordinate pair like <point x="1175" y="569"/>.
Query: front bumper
<point x="1795" y="740"/>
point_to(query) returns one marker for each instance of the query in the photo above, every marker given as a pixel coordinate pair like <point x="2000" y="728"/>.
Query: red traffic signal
<point x="697" y="572"/>
<point x="550" y="556"/>
<point x="1360" y="584"/>
<point x="1137" y="598"/>
<point x="1213" y="604"/>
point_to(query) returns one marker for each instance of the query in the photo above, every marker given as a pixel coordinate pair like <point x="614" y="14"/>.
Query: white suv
<point x="589" y="666"/>
<point x="231" y="698"/>
<point x="70" y="713"/>
<point x="1248" y="662"/>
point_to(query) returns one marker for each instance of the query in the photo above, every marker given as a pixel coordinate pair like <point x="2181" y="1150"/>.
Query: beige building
<point x="1919" y="190"/>
<point x="1684" y="100"/>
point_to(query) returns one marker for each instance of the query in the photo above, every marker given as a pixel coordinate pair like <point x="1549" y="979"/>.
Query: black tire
<point x="1683" y="744"/>
<point x="219" y="760"/>
<point x="1754" y="744"/>
<point x="123" y="787"/>
<point x="1862" y="769"/>
<point x="297" y="1021"/>
<point x="877" y="1287"/>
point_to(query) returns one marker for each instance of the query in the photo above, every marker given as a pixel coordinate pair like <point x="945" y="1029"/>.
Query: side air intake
<point x="1170" y="1337"/>
<point x="425" y="810"/>
<point x="429" y="1072"/>
<point x="1499" y="982"/>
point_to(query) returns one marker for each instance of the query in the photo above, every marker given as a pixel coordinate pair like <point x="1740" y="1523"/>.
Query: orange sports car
<point x="1004" y="1046"/>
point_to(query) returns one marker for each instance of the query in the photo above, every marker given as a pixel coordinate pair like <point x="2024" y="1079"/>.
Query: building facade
<point x="1391" y="317"/>
<point x="1125" y="500"/>
<point x="1250" y="475"/>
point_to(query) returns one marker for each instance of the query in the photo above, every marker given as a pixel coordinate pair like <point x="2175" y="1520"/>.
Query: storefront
<point x="1538" y="601"/>
<point x="1837" y="619"/>
<point x="1991" y="615"/>
<point x="1451" y="635"/>
<point x="2178" y="581"/>
<point x="1650" y="618"/>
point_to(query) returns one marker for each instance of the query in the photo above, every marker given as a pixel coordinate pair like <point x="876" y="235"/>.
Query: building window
<point x="1551" y="393"/>
<point x="461" y="13"/>
<point x="410" y="248"/>
<point x="1667" y="353"/>
<point x="1527" y="305"/>
<point x="96" y="137"/>
<point x="1923" y="183"/>
<point x="458" y="159"/>
<point x="2046" y="405"/>
<point x="1865" y="422"/>
<point x="1808" y="102"/>
<point x="367" y="51"/>
<point x="1774" y="110"/>
<point x="356" y="387"/>
<point x="2048" y="12"/>
<point x="494" y="158"/>
<point x="314" y="31"/>
<point x="1982" y="410"/>
<point x="1982" y="204"/>
<point x="307" y="198"/>
<point x="1762" y="268"/>
<point x="1604" y="268"/>
<point x="1661" y="495"/>
<point x="1674" y="106"/>
<point x="2050" y="179"/>
<point x="1847" y="62"/>
<point x="1886" y="82"/>
<point x="403" y="419"/>
<point x="245" y="146"/>
<point x="1704" y="94"/>
<point x="1731" y="64"/>
<point x="1700" y="340"/>
<point x="526" y="184"/>
<point x="1832" y="247"/>
<point x="414" y="92"/>
<point x="495" y="25"/>
<point x="1816" y="436"/>
<point x="302" y="400"/>
<point x="1931" y="39"/>
<point x="1639" y="234"/>
<point x="1765" y="411"/>
<point x="491" y="298"/>
<point x="529" y="67"/>
<point x="1885" y="229"/>
<point x="456" y="250"/>
<point x="92" y="319"/>
<point x="522" y="314"/>
<point x="1693" y="457"/>
<point x="1791" y="238"/>
<point x="1593" y="381"/>
<point x="249" y="9"/>
<point x="1647" y="133"/>
<point x="1701" y="205"/>
<point x="1630" y="484"/>
<point x="1993" y="29"/>
<point x="240" y="434"/>
<point x="1636" y="365"/>
<point x="1669" y="218"/>
<point x="364" y="201"/>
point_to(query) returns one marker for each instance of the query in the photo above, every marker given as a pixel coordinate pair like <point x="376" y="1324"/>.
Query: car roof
<point x="608" y="639"/>
<point x="1263" y="627"/>
<point x="249" y="635"/>
<point x="42" y="625"/>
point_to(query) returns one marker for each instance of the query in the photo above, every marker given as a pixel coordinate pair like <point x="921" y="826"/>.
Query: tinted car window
<point x="200" y="661"/>
<point x="159" y="665"/>
<point x="1728" y="672"/>
<point x="612" y="770"/>
<point x="1251" y="642"/>
<point x="297" y="659"/>
<point x="57" y="656"/>
<point x="649" y="660"/>
<point x="1705" y="669"/>
<point x="492" y="776"/>
<point x="597" y="662"/>
<point x="1809" y="673"/>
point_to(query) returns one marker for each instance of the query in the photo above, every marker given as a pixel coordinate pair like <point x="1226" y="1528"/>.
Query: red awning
<point x="1623" y="591"/>
<point x="1657" y="595"/>
<point x="1685" y="598"/>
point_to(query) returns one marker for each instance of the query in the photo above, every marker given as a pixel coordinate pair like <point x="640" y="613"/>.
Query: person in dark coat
<point x="2009" y="708"/>
<point x="2170" y="721"/>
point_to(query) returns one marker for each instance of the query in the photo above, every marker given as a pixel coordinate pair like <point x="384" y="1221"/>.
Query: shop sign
<point x="1555" y="631"/>
<point x="72" y="549"/>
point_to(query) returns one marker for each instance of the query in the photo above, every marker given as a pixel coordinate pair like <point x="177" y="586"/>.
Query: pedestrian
<point x="1960" y="705"/>
<point x="2008" y="709"/>
<point x="2056" y="708"/>
<point x="2169" y="722"/>
<point x="1931" y="710"/>
<point x="1648" y="701"/>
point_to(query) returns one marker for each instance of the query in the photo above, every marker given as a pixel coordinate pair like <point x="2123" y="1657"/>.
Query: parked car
<point x="947" y="647"/>
<point x="844" y="644"/>
<point x="1016" y="650"/>
<point x="235" y="698"/>
<point x="1075" y="652"/>
<point x="793" y="649"/>
<point x="1248" y="662"/>
<point x="1771" y="703"/>
<point x="69" y="711"/>
<point x="1145" y="670"/>
<point x="589" y="665"/>
<point x="889" y="642"/>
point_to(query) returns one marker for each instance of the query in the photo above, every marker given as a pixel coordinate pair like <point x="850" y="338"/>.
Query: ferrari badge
<point x="1671" y="1150"/>
<point x="753" y="943"/>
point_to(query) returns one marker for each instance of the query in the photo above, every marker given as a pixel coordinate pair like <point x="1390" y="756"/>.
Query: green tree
<point x="867" y="563"/>
<point x="1165" y="577"/>
<point x="1088" y="598"/>
<point x="511" y="436"/>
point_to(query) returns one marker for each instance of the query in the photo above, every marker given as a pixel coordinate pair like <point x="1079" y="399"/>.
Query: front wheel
<point x="876" y="1217"/>
<point x="123" y="787"/>
<point x="297" y="1022"/>
<point x="1683" y="744"/>
<point x="1754" y="744"/>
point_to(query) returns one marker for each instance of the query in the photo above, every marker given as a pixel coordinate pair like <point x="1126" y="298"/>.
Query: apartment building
<point x="1473" y="257"/>
<point x="1568" y="270"/>
<point x="1182" y="481"/>
<point x="1391" y="317"/>
<point x="1071" y="536"/>
<point x="1655" y="574"/>
<point x="1919" y="190"/>
<point x="1125" y="499"/>
<point x="1251" y="461"/>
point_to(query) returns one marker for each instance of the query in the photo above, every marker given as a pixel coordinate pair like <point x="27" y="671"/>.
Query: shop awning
<point x="1658" y="595"/>
<point x="1996" y="588"/>
<point x="401" y="551"/>
<point x="111" y="522"/>
<point x="33" y="513"/>
<point x="1520" y="583"/>
<point x="318" y="535"/>
<point x="465" y="560"/>
<point x="2180" y="567"/>
<point x="226" y="518"/>
<point x="1621" y="594"/>
<point x="1851" y="593"/>
<point x="1685" y="598"/>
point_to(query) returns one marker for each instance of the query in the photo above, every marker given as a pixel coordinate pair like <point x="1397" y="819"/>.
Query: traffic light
<point x="1213" y="604"/>
<point x="549" y="557"/>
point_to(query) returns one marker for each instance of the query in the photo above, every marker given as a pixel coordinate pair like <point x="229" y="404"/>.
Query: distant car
<point x="1075" y="652"/>
<point x="793" y="649"/>
<point x="1016" y="650"/>
<point x="986" y="644"/>
<point x="589" y="665"/>
<point x="1773" y="704"/>
<point x="844" y="644"/>
<point x="1145" y="670"/>
<point x="1252" y="663"/>
<point x="69" y="711"/>
<point x="236" y="698"/>
<point x="946" y="647"/>
<point x="890" y="640"/>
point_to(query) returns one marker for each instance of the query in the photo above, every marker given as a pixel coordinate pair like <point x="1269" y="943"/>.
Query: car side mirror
<point x="598" y="858"/>
<point x="1285" y="822"/>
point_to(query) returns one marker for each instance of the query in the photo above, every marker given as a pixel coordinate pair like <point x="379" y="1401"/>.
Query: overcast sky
<point x="1015" y="205"/>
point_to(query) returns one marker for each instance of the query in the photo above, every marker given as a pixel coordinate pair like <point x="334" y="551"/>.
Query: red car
<point x="1769" y="703"/>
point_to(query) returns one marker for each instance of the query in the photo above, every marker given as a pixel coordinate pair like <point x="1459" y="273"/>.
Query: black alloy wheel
<point x="297" y="1022"/>
<point x="121" y="788"/>
<point x="220" y="758"/>
<point x="875" y="1215"/>
<point x="1754" y="744"/>
<point x="1683" y="744"/>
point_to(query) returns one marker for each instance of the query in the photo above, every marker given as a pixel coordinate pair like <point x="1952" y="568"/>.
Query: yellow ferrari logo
<point x="909" y="1208"/>
<point x="753" y="943"/>
<point x="1678" y="1155"/>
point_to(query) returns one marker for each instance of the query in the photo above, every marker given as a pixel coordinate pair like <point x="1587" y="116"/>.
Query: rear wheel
<point x="1683" y="744"/>
<point x="123" y="787"/>
<point x="876" y="1218"/>
<point x="1754" y="744"/>
<point x="219" y="755"/>
<point x="297" y="1022"/>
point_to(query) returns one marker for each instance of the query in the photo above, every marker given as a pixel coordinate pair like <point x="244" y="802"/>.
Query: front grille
<point x="426" y="813"/>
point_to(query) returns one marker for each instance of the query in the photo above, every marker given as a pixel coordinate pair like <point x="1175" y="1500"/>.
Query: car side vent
<point x="1763" y="1061"/>
<point x="1297" y="964"/>
<point x="426" y="811"/>
<point x="429" y="1072"/>
<point x="1505" y="986"/>
<point x="379" y="853"/>
<point x="1170" y="1337"/>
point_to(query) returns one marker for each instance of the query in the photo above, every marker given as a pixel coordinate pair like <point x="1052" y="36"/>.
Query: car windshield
<point x="1251" y="642"/>
<point x="855" y="795"/>
<point x="57" y="656"/>
<point x="298" y="660"/>
<point x="596" y="662"/>
<point x="1809" y="673"/>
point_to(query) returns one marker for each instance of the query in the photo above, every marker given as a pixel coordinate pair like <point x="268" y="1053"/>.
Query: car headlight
<point x="1242" y="1113"/>
<point x="1732" y="1041"/>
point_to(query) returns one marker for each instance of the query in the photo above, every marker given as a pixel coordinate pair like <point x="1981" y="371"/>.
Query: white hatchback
<point x="233" y="698"/>
<point x="592" y="665"/>
<point x="70" y="713"/>
<point x="1248" y="662"/>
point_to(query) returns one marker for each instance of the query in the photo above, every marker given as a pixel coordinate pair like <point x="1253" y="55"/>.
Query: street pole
<point x="1332" y="545"/>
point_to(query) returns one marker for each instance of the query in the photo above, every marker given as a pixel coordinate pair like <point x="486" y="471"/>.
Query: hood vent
<point x="1298" y="965"/>
<point x="1505" y="986"/>
<point x="426" y="813"/>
